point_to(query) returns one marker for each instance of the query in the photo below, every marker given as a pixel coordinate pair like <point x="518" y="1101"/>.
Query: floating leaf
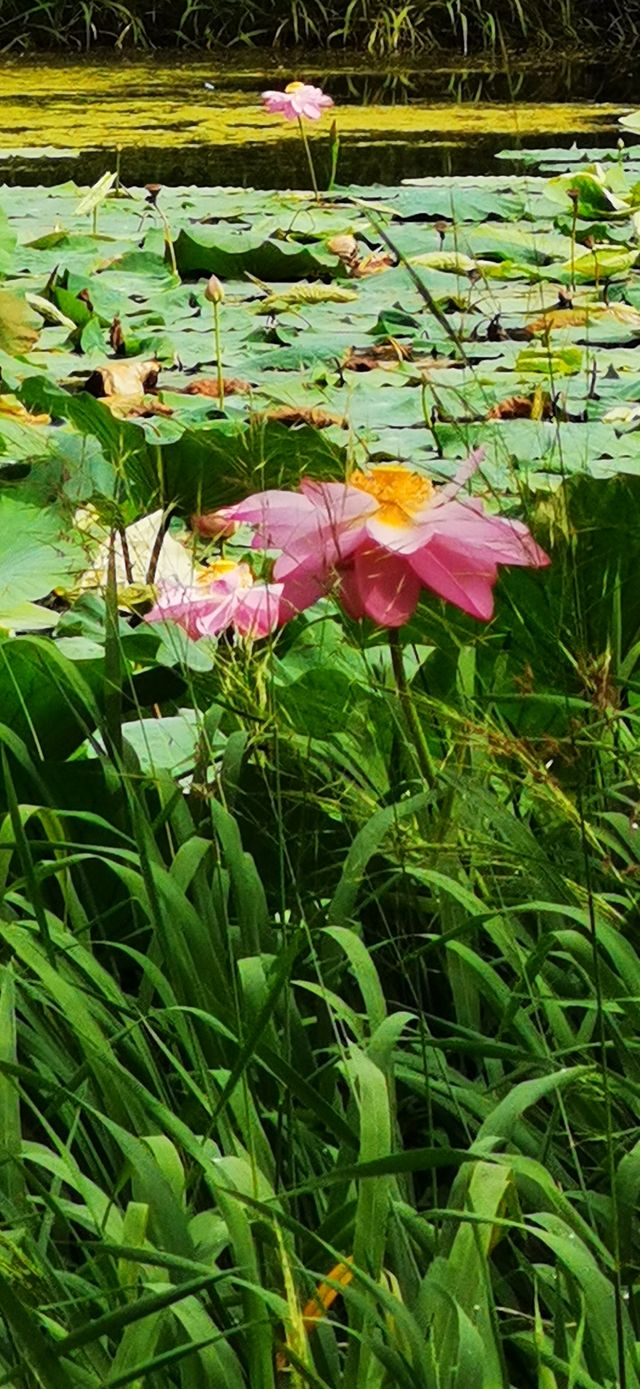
<point x="560" y="361"/>
<point x="35" y="558"/>
<point x="232" y="254"/>
<point x="600" y="264"/>
<point x="453" y="261"/>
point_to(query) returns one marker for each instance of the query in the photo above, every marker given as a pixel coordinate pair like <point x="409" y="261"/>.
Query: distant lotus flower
<point x="382" y="537"/>
<point x="224" y="595"/>
<point x="299" y="102"/>
<point x="298" y="99"/>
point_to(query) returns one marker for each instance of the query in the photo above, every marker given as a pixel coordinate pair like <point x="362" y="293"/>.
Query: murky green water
<point x="65" y="120"/>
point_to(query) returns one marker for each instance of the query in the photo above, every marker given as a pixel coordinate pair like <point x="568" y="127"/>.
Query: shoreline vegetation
<point x="378" y="27"/>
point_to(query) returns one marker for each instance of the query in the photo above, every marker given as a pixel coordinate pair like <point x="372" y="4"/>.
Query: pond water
<point x="422" y="118"/>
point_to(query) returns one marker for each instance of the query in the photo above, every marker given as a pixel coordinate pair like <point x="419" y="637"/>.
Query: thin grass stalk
<point x="413" y="724"/>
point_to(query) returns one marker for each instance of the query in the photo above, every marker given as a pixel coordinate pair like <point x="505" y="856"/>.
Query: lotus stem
<point x="574" y="223"/>
<point x="312" y="172"/>
<point x="216" y="335"/>
<point x="335" y="154"/>
<point x="414" y="727"/>
<point x="168" y="240"/>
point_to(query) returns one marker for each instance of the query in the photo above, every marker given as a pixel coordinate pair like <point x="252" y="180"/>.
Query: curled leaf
<point x="303" y="295"/>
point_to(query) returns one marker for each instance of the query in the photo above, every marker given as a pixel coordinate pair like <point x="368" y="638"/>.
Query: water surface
<point x="66" y="119"/>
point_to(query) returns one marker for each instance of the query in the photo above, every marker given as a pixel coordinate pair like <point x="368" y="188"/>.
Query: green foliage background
<point x="382" y="26"/>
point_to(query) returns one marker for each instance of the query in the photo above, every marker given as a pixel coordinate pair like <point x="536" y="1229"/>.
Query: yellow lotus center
<point x="220" y="568"/>
<point x="399" y="492"/>
<point x="293" y="87"/>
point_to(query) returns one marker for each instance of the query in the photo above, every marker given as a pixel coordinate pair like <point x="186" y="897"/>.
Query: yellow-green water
<point x="170" y="126"/>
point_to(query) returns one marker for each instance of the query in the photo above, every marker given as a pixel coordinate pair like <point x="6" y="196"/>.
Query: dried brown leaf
<point x="381" y="354"/>
<point x="373" y="264"/>
<point x="127" y="378"/>
<point x="522" y="407"/>
<point x="304" y="414"/>
<point x="209" y="387"/>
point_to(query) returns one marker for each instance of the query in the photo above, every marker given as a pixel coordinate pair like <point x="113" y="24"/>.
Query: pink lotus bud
<point x="212" y="526"/>
<point x="214" y="291"/>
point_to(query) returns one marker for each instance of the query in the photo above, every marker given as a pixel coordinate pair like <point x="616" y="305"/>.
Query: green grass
<point x="251" y="1032"/>
<point x="322" y="999"/>
<point x="382" y="27"/>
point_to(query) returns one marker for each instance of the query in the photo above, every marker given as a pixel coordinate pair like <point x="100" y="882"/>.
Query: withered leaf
<point x="127" y="407"/>
<point x="373" y="264"/>
<point x="303" y="414"/>
<point x="522" y="407"/>
<point x="207" y="386"/>
<point x="127" y="378"/>
<point x="380" y="354"/>
<point x="580" y="317"/>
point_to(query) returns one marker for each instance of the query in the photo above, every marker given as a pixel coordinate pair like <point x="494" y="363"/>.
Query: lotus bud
<point x="212" y="526"/>
<point x="214" y="291"/>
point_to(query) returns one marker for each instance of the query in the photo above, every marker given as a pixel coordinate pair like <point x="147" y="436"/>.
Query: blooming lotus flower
<point x="382" y="537"/>
<point x="224" y="595"/>
<point x="298" y="99"/>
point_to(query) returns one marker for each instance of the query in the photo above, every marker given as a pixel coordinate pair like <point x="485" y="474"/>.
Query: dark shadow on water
<point x="259" y="165"/>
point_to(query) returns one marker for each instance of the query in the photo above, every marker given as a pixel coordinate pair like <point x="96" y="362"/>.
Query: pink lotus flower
<point x="297" y="100"/>
<point x="224" y="595"/>
<point x="382" y="537"/>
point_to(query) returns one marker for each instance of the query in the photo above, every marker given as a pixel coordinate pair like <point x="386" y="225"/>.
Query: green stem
<point x="574" y="224"/>
<point x="168" y="241"/>
<point x="335" y="152"/>
<point x="414" y="727"/>
<point x="307" y="147"/>
<point x="216" y="334"/>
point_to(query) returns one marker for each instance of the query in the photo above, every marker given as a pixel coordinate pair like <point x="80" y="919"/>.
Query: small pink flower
<point x="384" y="536"/>
<point x="225" y="595"/>
<point x="298" y="99"/>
